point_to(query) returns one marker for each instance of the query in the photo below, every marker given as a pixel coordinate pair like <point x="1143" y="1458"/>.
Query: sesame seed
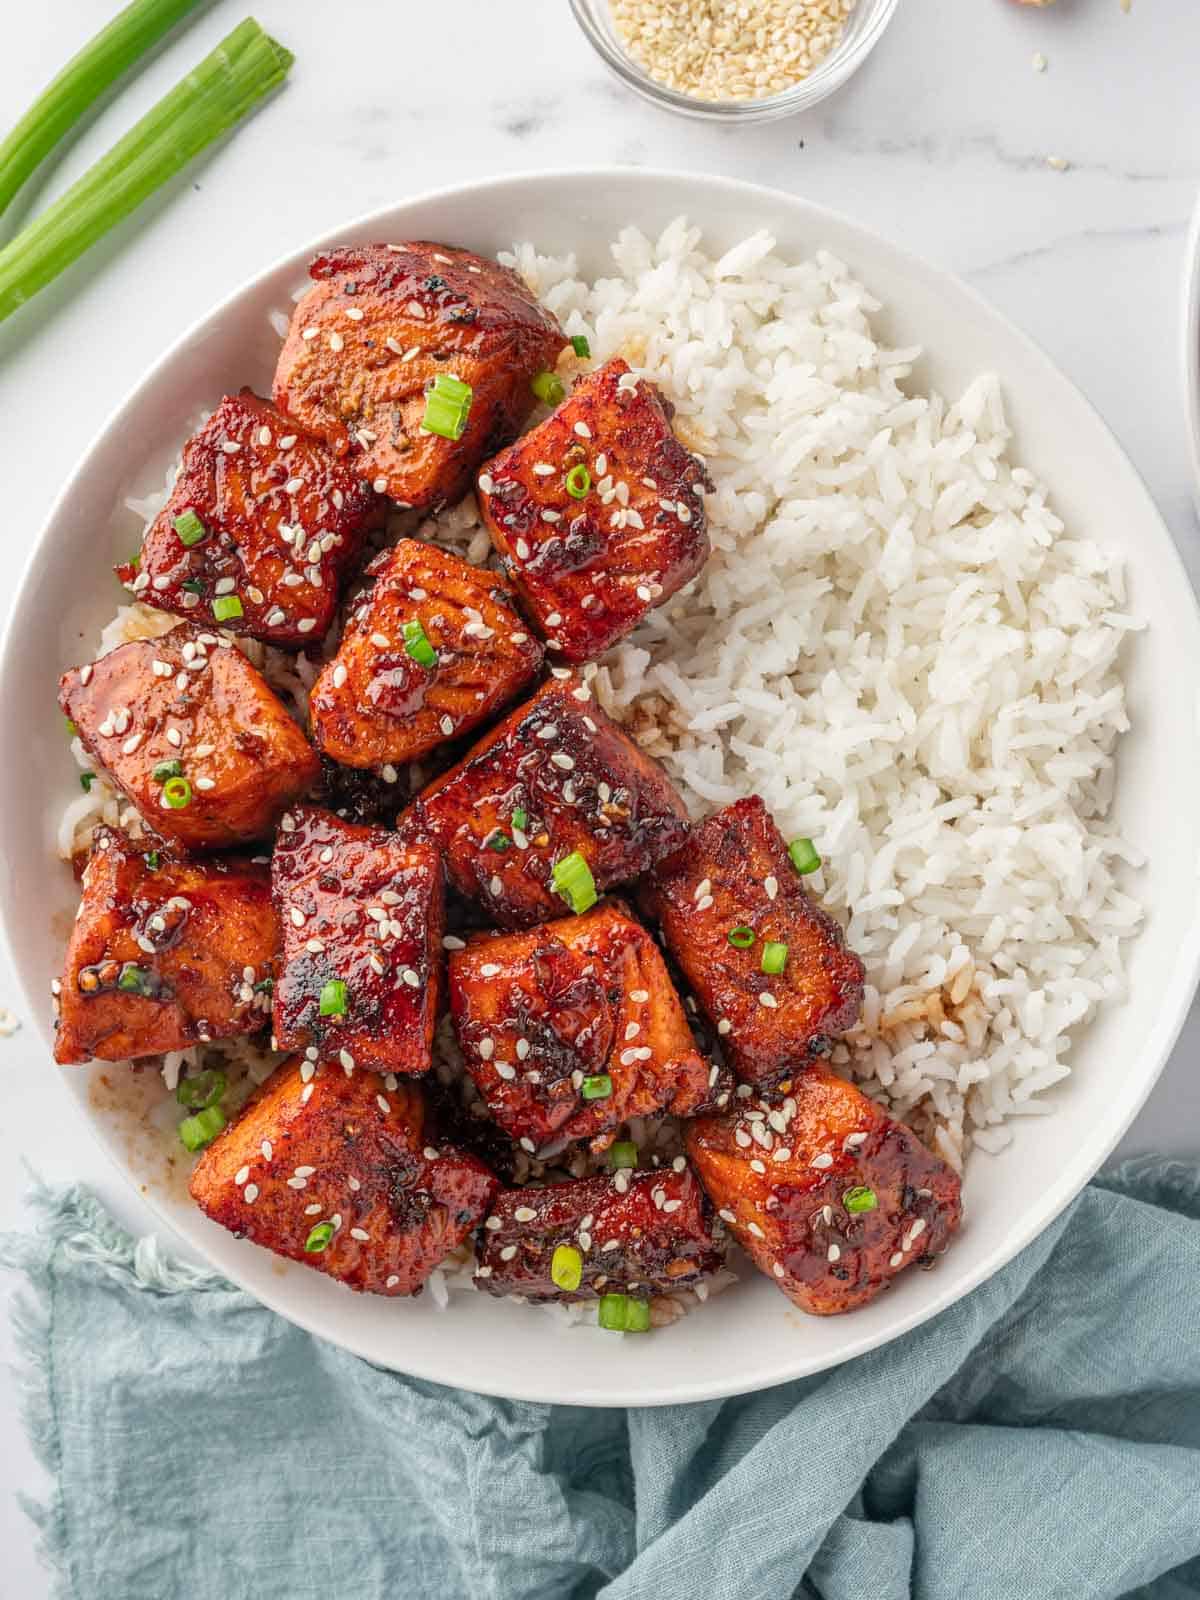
<point x="297" y="1183"/>
<point x="451" y="942"/>
<point x="493" y="1224"/>
<point x="495" y="887"/>
<point x="297" y="916"/>
<point x="359" y="1233"/>
<point x="347" y="1061"/>
<point x="487" y="1048"/>
<point x="777" y="1268"/>
<point x="766" y="998"/>
<point x="522" y="550"/>
<point x="488" y="970"/>
<point x="771" y="886"/>
<point x="527" y="1145"/>
<point x="822" y="1161"/>
<point x="382" y="1103"/>
<point x="896" y="1259"/>
<point x="582" y="429"/>
<point x="306" y="624"/>
<point x="313" y="1210"/>
<point x="241" y="1175"/>
<point x="486" y="482"/>
<point x="480" y="1272"/>
<point x="562" y="760"/>
<point x="508" y="1252"/>
<point x="250" y="1193"/>
<point x="447" y="725"/>
<point x="336" y="343"/>
<point x="670" y="1206"/>
<point x="917" y="1229"/>
<point x="307" y="1069"/>
<point x="724" y="1026"/>
<point x="524" y="1214"/>
<point x="517" y="638"/>
<point x="756" y="1230"/>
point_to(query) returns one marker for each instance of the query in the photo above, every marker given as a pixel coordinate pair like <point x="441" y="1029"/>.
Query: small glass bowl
<point x="863" y="29"/>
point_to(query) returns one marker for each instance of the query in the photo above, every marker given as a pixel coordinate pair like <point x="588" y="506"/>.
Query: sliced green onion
<point x="86" y="780"/>
<point x="136" y="980"/>
<point x="202" y="1091"/>
<point x="177" y="792"/>
<point x="135" y="561"/>
<point x="804" y="856"/>
<point x="319" y="1238"/>
<point x="190" y="529"/>
<point x="548" y="387"/>
<point x="104" y="58"/>
<point x="167" y="769"/>
<point x="192" y="586"/>
<point x="447" y="406"/>
<point x="519" y="819"/>
<point x="264" y="986"/>
<point x="774" y="957"/>
<point x="499" y="841"/>
<point x="202" y="1129"/>
<point x="598" y="1087"/>
<point x="566" y="1267"/>
<point x="741" y="937"/>
<point x="72" y="728"/>
<point x="621" y="1313"/>
<point x="333" y="999"/>
<point x="579" y="481"/>
<point x="152" y="858"/>
<point x="622" y="1155"/>
<point x="860" y="1198"/>
<point x="572" y="879"/>
<point x="226" y="607"/>
<point x="216" y="93"/>
<point x="580" y="345"/>
<point x="418" y="645"/>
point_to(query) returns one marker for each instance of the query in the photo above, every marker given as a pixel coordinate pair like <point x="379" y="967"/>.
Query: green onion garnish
<point x="167" y="769"/>
<point x="136" y="980"/>
<point x="72" y="728"/>
<point x="499" y="841"/>
<point x="86" y="780"/>
<point x="104" y="58"/>
<point x="580" y="345"/>
<point x="598" y="1087"/>
<point x="202" y="1129"/>
<point x="447" y="406"/>
<point x="572" y="878"/>
<point x="135" y="561"/>
<point x="418" y="645"/>
<point x="579" y="481"/>
<point x="741" y="937"/>
<point x="177" y="792"/>
<point x="804" y="856"/>
<point x="190" y="529"/>
<point x="151" y="858"/>
<point x="264" y="986"/>
<point x="319" y="1238"/>
<point x="621" y="1313"/>
<point x="622" y="1155"/>
<point x="774" y="957"/>
<point x="519" y="819"/>
<point x="226" y="607"/>
<point x="548" y="387"/>
<point x="333" y="999"/>
<point x="860" y="1199"/>
<point x="192" y="586"/>
<point x="214" y="95"/>
<point x="202" y="1091"/>
<point x="566" y="1267"/>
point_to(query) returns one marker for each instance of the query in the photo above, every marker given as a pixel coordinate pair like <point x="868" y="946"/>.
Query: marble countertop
<point x="941" y="142"/>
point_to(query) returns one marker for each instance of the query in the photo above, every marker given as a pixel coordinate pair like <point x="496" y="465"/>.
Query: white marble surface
<point x="941" y="142"/>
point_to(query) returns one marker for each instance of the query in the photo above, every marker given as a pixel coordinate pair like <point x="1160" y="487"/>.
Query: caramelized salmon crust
<point x="340" y="1172"/>
<point x="597" y="513"/>
<point x="166" y="952"/>
<point x="829" y="1196"/>
<point x="380" y="324"/>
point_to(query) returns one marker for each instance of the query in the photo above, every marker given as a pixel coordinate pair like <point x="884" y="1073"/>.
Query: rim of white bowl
<point x="1190" y="354"/>
<point x="1060" y="1189"/>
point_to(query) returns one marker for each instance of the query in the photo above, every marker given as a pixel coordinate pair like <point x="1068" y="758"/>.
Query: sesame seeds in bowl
<point x="728" y="60"/>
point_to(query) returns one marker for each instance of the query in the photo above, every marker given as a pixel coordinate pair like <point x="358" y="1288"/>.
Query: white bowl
<point x="750" y="1337"/>
<point x="1191" y="347"/>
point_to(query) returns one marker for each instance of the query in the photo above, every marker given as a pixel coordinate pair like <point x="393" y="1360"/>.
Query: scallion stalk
<point x="80" y="84"/>
<point x="216" y="94"/>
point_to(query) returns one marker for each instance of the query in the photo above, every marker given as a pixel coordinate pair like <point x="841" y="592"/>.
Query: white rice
<point x="896" y="643"/>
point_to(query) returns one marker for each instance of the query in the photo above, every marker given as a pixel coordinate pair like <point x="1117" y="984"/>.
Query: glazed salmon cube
<point x="829" y="1196"/>
<point x="639" y="1233"/>
<point x="573" y="1028"/>
<point x="261" y="527"/>
<point x="431" y="650"/>
<point x="362" y="915"/>
<point x="340" y="1172"/>
<point x="189" y="707"/>
<point x="597" y="513"/>
<point x="165" y="952"/>
<point x="734" y="875"/>
<point x="381" y="324"/>
<point x="554" y="780"/>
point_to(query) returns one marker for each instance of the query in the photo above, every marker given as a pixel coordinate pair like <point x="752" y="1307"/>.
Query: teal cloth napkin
<point x="1039" y="1439"/>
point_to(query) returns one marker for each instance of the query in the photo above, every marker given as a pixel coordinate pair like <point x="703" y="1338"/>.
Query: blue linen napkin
<point x="1039" y="1439"/>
